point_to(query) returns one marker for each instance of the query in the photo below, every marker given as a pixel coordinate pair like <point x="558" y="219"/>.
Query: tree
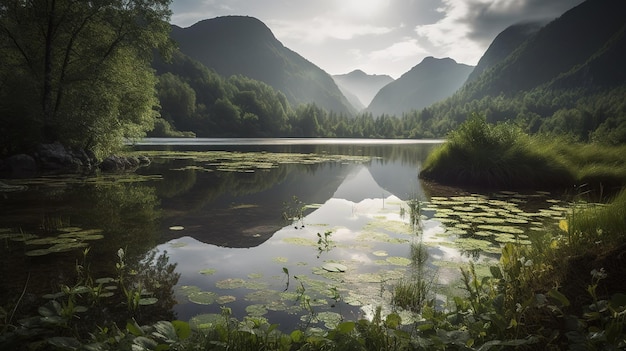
<point x="87" y="64"/>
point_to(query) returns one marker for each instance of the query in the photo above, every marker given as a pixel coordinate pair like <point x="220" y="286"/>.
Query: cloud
<point x="407" y="48"/>
<point x="468" y="27"/>
<point x="319" y="29"/>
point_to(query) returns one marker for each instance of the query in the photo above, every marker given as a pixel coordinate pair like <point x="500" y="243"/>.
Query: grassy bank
<point x="502" y="156"/>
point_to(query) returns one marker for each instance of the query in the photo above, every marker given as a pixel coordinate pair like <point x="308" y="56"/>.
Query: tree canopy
<point x="79" y="71"/>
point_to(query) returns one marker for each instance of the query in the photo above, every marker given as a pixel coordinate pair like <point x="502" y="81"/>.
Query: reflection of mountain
<point x="245" y="209"/>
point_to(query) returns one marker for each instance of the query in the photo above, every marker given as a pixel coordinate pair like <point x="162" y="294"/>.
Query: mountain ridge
<point x="244" y="45"/>
<point x="432" y="80"/>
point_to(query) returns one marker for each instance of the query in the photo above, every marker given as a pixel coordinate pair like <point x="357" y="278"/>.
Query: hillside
<point x="567" y="78"/>
<point x="503" y="45"/>
<point x="430" y="81"/>
<point x="238" y="45"/>
<point x="362" y="85"/>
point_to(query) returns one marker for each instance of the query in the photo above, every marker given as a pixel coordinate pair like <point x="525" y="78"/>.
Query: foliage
<point x="500" y="155"/>
<point x="78" y="72"/>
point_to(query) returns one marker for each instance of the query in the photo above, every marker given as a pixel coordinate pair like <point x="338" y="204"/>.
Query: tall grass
<point x="597" y="226"/>
<point x="503" y="156"/>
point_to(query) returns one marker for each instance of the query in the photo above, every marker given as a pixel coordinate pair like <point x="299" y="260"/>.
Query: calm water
<point x="217" y="208"/>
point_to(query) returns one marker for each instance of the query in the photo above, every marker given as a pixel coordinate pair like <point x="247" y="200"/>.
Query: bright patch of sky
<point x="379" y="36"/>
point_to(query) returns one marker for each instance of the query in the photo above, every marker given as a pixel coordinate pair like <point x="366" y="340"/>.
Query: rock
<point x="20" y="165"/>
<point x="54" y="157"/>
<point x="116" y="163"/>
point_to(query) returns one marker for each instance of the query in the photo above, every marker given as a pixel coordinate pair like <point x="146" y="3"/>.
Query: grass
<point x="501" y="156"/>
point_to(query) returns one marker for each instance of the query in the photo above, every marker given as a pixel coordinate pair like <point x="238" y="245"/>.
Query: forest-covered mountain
<point x="430" y="81"/>
<point x="361" y="85"/>
<point x="567" y="78"/>
<point x="503" y="45"/>
<point x="240" y="45"/>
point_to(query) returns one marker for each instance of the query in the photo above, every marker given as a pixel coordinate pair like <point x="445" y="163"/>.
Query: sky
<point x="378" y="36"/>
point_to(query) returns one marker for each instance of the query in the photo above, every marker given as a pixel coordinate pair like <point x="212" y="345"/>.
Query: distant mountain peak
<point x="431" y="80"/>
<point x="361" y="85"/>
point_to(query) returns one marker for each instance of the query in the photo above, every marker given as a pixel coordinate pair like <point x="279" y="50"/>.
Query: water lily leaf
<point x="202" y="297"/>
<point x="222" y="300"/>
<point x="38" y="252"/>
<point x="334" y="267"/>
<point x="177" y="228"/>
<point x="205" y="321"/>
<point x="208" y="271"/>
<point x="399" y="261"/>
<point x="380" y="253"/>
<point x="231" y="283"/>
<point x="256" y="310"/>
<point x="148" y="301"/>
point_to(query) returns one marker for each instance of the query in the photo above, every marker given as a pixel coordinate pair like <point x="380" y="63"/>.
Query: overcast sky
<point x="378" y="36"/>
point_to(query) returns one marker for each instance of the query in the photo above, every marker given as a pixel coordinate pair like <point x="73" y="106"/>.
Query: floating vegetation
<point x="177" y="228"/>
<point x="222" y="300"/>
<point x="334" y="267"/>
<point x="207" y="271"/>
<point x="330" y="319"/>
<point x="300" y="241"/>
<point x="256" y="310"/>
<point x="398" y="261"/>
<point x="177" y="244"/>
<point x="280" y="259"/>
<point x="70" y="238"/>
<point x="206" y="321"/>
<point x="230" y="283"/>
<point x="202" y="297"/>
<point x="380" y="253"/>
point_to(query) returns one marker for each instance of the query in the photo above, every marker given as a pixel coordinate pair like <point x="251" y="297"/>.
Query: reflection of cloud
<point x="320" y="29"/>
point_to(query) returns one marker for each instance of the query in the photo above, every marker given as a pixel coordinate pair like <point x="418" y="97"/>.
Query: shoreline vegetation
<point x="501" y="156"/>
<point x="564" y="291"/>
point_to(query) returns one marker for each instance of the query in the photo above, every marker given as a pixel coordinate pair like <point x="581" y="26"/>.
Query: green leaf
<point x="495" y="272"/>
<point x="555" y="294"/>
<point x="393" y="321"/>
<point x="297" y="336"/>
<point x="148" y="301"/>
<point x="65" y="343"/>
<point x="183" y="330"/>
<point x="346" y="327"/>
<point x="141" y="343"/>
<point x="134" y="328"/>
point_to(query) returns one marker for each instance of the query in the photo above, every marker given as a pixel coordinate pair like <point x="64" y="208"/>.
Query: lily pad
<point x="177" y="228"/>
<point x="202" y="297"/>
<point x="208" y="271"/>
<point x="222" y="300"/>
<point x="334" y="267"/>
<point x="230" y="283"/>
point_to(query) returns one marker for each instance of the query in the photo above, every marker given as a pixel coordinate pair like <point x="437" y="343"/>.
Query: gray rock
<point x="20" y="165"/>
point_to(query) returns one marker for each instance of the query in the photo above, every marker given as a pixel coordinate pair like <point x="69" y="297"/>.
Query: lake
<point x="297" y="231"/>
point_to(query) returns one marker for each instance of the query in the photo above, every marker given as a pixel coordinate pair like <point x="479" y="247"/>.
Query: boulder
<point x="54" y="157"/>
<point x="20" y="165"/>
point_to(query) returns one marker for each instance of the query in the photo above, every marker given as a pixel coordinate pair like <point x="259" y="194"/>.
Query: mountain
<point x="241" y="45"/>
<point x="503" y="45"/>
<point x="565" y="44"/>
<point x="568" y="77"/>
<point x="362" y="85"/>
<point x="430" y="81"/>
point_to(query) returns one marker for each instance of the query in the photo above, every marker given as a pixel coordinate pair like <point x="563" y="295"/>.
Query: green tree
<point x="86" y="65"/>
